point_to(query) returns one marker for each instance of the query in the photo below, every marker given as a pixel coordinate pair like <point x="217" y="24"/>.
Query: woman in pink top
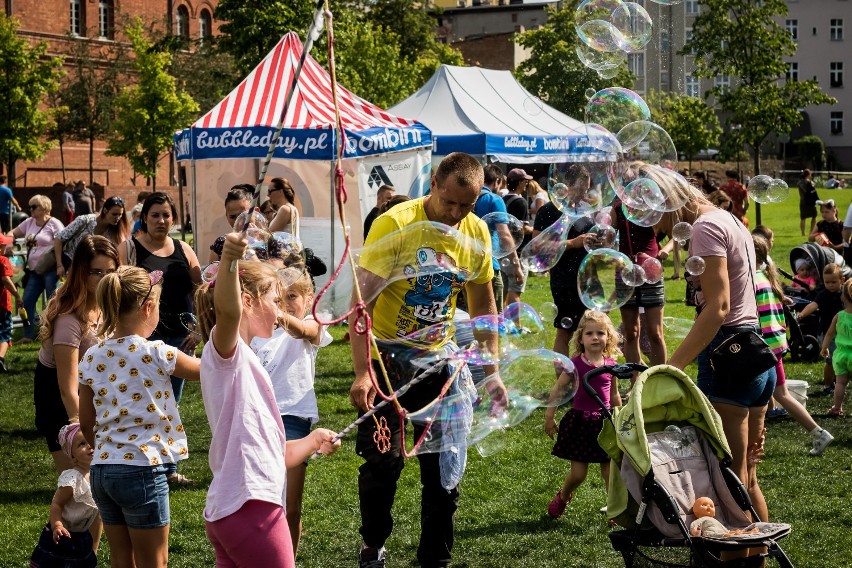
<point x="68" y="329"/>
<point x="726" y="305"/>
<point x="244" y="513"/>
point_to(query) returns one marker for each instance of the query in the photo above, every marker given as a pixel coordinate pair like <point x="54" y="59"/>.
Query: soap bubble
<point x="597" y="280"/>
<point x="682" y="232"/>
<point x="190" y="323"/>
<point x="526" y="328"/>
<point x="758" y="188"/>
<point x="600" y="236"/>
<point x="778" y="191"/>
<point x="641" y="216"/>
<point x="533" y="105"/>
<point x="507" y="233"/>
<point x="608" y="72"/>
<point x="695" y="265"/>
<point x="600" y="60"/>
<point x="634" y="24"/>
<point x="548" y="311"/>
<point x="599" y="34"/>
<point x="633" y="275"/>
<point x="566" y="323"/>
<point x="604" y="216"/>
<point x="579" y="188"/>
<point x="673" y="187"/>
<point x="590" y="92"/>
<point x="643" y="193"/>
<point x="653" y="270"/>
<point x="615" y="107"/>
<point x="649" y="142"/>
<point x="677" y="328"/>
<point x="545" y="249"/>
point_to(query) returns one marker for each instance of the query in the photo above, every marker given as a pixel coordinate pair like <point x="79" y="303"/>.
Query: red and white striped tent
<point x="227" y="144"/>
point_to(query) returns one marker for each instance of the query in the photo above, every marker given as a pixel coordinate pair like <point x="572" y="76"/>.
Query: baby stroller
<point x="668" y="448"/>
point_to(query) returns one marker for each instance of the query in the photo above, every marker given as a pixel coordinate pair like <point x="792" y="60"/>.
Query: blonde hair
<point x="612" y="338"/>
<point x="256" y="279"/>
<point x="123" y="292"/>
<point x="42" y="201"/>
<point x="674" y="187"/>
<point x="761" y="255"/>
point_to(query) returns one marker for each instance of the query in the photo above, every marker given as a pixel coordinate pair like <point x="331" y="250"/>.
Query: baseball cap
<point x="516" y="174"/>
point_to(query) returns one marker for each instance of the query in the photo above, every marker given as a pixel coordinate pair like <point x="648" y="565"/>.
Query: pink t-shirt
<point x="43" y="237"/>
<point x="718" y="233"/>
<point x="602" y="385"/>
<point x="247" y="450"/>
<point x="67" y="330"/>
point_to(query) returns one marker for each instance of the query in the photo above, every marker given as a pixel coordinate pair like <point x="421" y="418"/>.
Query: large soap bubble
<point x="545" y="249"/>
<point x="600" y="60"/>
<point x="653" y="270"/>
<point x="641" y="216"/>
<point x="634" y="25"/>
<point x="507" y="233"/>
<point x="647" y="142"/>
<point x="615" y="107"/>
<point x="598" y="280"/>
<point x="758" y="188"/>
<point x="600" y="236"/>
<point x="695" y="265"/>
<point x="778" y="191"/>
<point x="593" y="25"/>
<point x="579" y="188"/>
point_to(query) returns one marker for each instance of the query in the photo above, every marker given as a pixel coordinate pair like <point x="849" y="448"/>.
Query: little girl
<point x="770" y="310"/>
<point x="128" y="414"/>
<point x="70" y="538"/>
<point x="596" y="344"/>
<point x="289" y="357"/>
<point x="829" y="231"/>
<point x="804" y="279"/>
<point x="244" y="513"/>
<point x="841" y="332"/>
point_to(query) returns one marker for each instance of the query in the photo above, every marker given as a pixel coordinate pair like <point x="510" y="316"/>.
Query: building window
<point x="692" y="86"/>
<point x="636" y="64"/>
<point x="836" y="29"/>
<point x="664" y="78"/>
<point x="792" y="27"/>
<point x="692" y="50"/>
<point x="182" y="22"/>
<point x="836" y="76"/>
<point x="692" y="7"/>
<point x="106" y="24"/>
<point x="665" y="42"/>
<point x="722" y="82"/>
<point x="793" y="71"/>
<point x="837" y="122"/>
<point x="205" y="25"/>
<point x="78" y="26"/>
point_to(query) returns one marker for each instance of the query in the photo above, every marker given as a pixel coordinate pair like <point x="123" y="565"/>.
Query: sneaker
<point x="825" y="391"/>
<point x="370" y="557"/>
<point x="557" y="506"/>
<point x="776" y="413"/>
<point x="821" y="441"/>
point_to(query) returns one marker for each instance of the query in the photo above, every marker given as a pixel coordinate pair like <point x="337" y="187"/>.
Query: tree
<point x="812" y="151"/>
<point x="149" y="112"/>
<point x="27" y="76"/>
<point x="553" y="72"/>
<point x="61" y="128"/>
<point x="691" y="123"/>
<point x="251" y="29"/>
<point x="743" y="39"/>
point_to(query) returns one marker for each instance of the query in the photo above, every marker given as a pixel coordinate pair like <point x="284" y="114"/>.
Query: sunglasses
<point x="274" y="189"/>
<point x="113" y="201"/>
<point x="34" y="207"/>
<point x="100" y="273"/>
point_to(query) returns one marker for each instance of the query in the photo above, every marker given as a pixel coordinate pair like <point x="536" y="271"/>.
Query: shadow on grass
<point x="20" y="435"/>
<point x="542" y="525"/>
<point x="34" y="496"/>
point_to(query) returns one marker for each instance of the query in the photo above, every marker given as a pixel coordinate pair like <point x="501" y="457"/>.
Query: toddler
<point x="129" y="415"/>
<point x="595" y="344"/>
<point x="804" y="279"/>
<point x="827" y="304"/>
<point x="8" y="290"/>
<point x="70" y="539"/>
<point x="841" y="332"/>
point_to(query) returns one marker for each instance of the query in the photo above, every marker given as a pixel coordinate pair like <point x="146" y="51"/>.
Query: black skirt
<point x="577" y="439"/>
<point x="74" y="552"/>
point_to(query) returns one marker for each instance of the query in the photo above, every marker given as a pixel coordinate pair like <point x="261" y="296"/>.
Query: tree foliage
<point x="812" y="151"/>
<point x="553" y="72"/>
<point x="743" y="39"/>
<point x="149" y="112"/>
<point x="691" y="123"/>
<point x="27" y="76"/>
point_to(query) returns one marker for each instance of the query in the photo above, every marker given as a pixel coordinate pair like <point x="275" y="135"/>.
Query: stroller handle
<point x="620" y="370"/>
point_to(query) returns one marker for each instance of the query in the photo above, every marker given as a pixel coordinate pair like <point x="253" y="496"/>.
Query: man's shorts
<point x="509" y="282"/>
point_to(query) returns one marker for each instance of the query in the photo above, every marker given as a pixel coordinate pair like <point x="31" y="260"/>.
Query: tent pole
<point x="332" y="212"/>
<point x="194" y="208"/>
<point x="180" y="197"/>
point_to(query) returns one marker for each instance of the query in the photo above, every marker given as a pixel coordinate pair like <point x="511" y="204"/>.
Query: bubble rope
<point x="363" y="324"/>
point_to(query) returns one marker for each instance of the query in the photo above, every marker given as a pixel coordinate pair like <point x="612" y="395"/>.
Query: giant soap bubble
<point x="598" y="280"/>
<point x="615" y="107"/>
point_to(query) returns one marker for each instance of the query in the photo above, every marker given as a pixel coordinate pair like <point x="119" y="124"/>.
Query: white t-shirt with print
<point x="137" y="420"/>
<point x="291" y="364"/>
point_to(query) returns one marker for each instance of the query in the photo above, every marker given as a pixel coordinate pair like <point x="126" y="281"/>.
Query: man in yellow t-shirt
<point x="415" y="271"/>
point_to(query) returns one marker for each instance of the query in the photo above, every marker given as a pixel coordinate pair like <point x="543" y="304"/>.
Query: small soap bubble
<point x="682" y="232"/>
<point x="590" y="92"/>
<point x="600" y="236"/>
<point x="507" y="233"/>
<point x="695" y="265"/>
<point x="548" y="311"/>
<point x="653" y="270"/>
<point x="778" y="191"/>
<point x="643" y="193"/>
<point x="633" y="275"/>
<point x="533" y="105"/>
<point x="598" y="280"/>
<point x="566" y="323"/>
<point x="642" y="216"/>
<point x="758" y="188"/>
<point x="208" y="273"/>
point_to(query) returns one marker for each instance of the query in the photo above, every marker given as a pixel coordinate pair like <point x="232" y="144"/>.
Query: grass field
<point x="502" y="518"/>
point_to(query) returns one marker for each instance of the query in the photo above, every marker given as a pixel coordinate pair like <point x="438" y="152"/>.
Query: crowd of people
<point x="116" y="349"/>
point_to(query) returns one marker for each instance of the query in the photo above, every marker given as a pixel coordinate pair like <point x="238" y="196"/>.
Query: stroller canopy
<point x="662" y="395"/>
<point x="819" y="256"/>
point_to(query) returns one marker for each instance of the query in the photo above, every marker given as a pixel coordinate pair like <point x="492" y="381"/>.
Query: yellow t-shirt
<point x="426" y="268"/>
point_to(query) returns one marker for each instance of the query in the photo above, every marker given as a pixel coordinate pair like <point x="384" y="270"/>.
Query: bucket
<point x="799" y="390"/>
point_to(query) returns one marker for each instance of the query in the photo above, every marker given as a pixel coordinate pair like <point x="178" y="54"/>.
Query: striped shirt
<point x="770" y="310"/>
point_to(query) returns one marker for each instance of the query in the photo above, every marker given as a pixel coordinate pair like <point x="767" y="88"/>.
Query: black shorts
<point x="50" y="414"/>
<point x="646" y="296"/>
<point x="568" y="305"/>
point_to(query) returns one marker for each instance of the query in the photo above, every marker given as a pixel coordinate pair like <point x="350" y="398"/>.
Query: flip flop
<point x="834" y="412"/>
<point x="179" y="480"/>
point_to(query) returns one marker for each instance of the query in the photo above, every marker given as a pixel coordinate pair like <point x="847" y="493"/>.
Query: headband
<point x="66" y="438"/>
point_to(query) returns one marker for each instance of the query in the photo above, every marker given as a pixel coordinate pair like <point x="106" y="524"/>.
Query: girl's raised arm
<point x="227" y="298"/>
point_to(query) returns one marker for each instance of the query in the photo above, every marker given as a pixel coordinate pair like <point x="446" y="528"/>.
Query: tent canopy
<point x="243" y="123"/>
<point x="487" y="112"/>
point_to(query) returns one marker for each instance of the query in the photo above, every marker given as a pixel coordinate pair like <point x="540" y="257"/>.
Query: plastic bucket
<point x="799" y="390"/>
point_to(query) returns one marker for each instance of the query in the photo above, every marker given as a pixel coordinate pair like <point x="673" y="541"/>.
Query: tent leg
<point x="332" y="213"/>
<point x="194" y="209"/>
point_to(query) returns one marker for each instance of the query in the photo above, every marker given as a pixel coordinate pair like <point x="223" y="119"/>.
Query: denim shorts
<point x="754" y="393"/>
<point x="133" y="495"/>
<point x="296" y="428"/>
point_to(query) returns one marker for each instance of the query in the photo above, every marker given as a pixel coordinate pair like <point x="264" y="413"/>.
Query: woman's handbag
<point x="46" y="263"/>
<point x="742" y="355"/>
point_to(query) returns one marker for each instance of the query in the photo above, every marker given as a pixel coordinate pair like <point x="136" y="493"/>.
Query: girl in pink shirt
<point x="244" y="512"/>
<point x="596" y="344"/>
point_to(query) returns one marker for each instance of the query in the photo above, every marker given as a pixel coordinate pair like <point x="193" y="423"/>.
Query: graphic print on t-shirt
<point x="431" y="290"/>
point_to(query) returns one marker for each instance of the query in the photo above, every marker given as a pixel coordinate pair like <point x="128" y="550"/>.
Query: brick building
<point x="60" y="22"/>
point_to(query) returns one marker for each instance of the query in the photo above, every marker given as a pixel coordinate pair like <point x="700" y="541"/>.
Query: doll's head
<point x="703" y="507"/>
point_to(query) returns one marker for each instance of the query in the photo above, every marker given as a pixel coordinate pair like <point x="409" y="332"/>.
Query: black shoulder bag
<point x="742" y="355"/>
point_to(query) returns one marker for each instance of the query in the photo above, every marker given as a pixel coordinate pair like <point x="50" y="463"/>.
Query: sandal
<point x="178" y="480"/>
<point x="557" y="505"/>
<point x="835" y="412"/>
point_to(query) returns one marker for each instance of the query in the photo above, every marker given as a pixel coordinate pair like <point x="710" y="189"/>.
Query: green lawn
<point x="502" y="519"/>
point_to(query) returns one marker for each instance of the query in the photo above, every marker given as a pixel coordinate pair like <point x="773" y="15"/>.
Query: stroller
<point x="668" y="448"/>
<point x="803" y="342"/>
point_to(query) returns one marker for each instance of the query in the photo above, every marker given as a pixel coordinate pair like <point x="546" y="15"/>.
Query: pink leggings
<point x="780" y="376"/>
<point x="256" y="535"/>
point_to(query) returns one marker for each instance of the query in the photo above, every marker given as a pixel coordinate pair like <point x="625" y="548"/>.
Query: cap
<point x="4" y="240"/>
<point x="516" y="174"/>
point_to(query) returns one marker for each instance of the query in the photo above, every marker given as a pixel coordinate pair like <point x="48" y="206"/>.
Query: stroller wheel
<point x="806" y="351"/>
